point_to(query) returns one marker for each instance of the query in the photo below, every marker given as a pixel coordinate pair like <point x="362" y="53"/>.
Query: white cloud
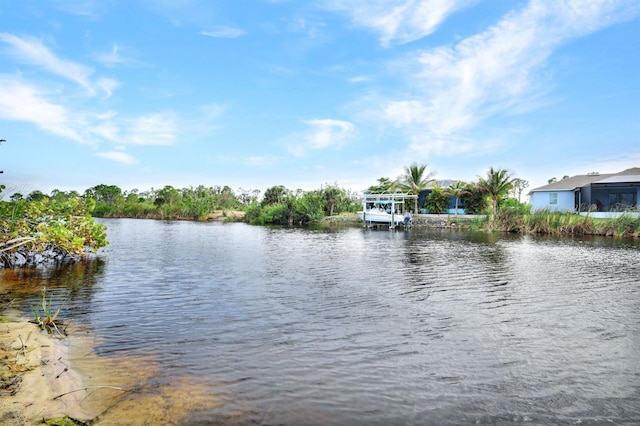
<point x="401" y="113"/>
<point x="106" y="127"/>
<point x="400" y="21"/>
<point x="21" y="101"/>
<point x="495" y="72"/>
<point x="360" y="79"/>
<point x="108" y="85"/>
<point x="118" y="156"/>
<point x="87" y="8"/>
<point x="326" y="133"/>
<point x="224" y="32"/>
<point x="33" y="51"/>
<point x="152" y="129"/>
<point x="112" y="57"/>
<point x="323" y="134"/>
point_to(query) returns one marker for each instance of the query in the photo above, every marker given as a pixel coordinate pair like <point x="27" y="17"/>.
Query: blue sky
<point x="256" y="93"/>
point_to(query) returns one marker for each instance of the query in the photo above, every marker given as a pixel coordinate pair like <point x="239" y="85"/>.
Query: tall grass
<point x="554" y="223"/>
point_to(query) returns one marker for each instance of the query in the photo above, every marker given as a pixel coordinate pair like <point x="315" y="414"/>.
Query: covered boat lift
<point x="384" y="208"/>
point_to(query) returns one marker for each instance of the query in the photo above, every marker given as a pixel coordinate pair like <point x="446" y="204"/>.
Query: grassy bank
<point x="565" y="224"/>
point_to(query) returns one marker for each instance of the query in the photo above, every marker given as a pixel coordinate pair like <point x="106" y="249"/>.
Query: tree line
<point x="38" y="227"/>
<point x="281" y="205"/>
<point x="278" y="204"/>
<point x="486" y="195"/>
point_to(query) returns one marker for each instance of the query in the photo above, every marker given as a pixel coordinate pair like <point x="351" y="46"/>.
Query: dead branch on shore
<point x="89" y="388"/>
<point x="15" y="243"/>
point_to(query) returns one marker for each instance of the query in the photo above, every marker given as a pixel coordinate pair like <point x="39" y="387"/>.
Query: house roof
<point x="621" y="179"/>
<point x="578" y="181"/>
<point x="571" y="183"/>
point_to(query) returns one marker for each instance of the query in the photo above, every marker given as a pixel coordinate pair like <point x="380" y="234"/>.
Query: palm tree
<point x="457" y="190"/>
<point x="414" y="180"/>
<point x="497" y="185"/>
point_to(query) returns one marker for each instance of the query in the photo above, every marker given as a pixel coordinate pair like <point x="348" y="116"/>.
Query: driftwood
<point x="15" y="243"/>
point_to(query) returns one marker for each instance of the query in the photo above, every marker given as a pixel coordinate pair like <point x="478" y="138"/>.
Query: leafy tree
<point x="225" y="198"/>
<point x="474" y="200"/>
<point x="167" y="196"/>
<point x="457" y="190"/>
<point x="337" y="200"/>
<point x="275" y="195"/>
<point x="519" y="185"/>
<point x="414" y="180"/>
<point x="437" y="201"/>
<point x="106" y="194"/>
<point x="516" y="207"/>
<point x="384" y="185"/>
<point x="497" y="185"/>
<point x="309" y="208"/>
<point x="330" y="196"/>
<point x="36" y="196"/>
<point x="247" y="197"/>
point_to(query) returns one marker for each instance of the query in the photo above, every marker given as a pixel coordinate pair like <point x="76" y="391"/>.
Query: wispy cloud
<point x="152" y="129"/>
<point x="360" y="79"/>
<point x="107" y="85"/>
<point x="118" y="157"/>
<point x="399" y="21"/>
<point x="112" y="57"/>
<point x="32" y="51"/>
<point x="212" y="111"/>
<point x="224" y="32"/>
<point x="21" y="101"/>
<point x="327" y="133"/>
<point x="87" y="8"/>
<point x="499" y="71"/>
<point x="323" y="133"/>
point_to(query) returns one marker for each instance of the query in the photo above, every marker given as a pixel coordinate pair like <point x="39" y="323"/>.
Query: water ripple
<point x="360" y="327"/>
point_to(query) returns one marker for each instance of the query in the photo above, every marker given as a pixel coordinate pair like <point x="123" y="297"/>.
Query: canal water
<point x="216" y="323"/>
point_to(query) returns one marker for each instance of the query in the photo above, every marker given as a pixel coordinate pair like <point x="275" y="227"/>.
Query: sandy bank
<point x="36" y="379"/>
<point x="43" y="377"/>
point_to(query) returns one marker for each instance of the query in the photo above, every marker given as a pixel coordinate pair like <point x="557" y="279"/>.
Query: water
<point x="233" y="324"/>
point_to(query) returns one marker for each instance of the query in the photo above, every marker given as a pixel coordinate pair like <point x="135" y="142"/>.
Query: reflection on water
<point x="237" y="324"/>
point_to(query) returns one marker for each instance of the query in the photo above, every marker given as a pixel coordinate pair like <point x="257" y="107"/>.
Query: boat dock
<point x="384" y="210"/>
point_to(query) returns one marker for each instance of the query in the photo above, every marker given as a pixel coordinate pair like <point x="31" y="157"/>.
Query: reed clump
<point x="47" y="319"/>
<point x="554" y="223"/>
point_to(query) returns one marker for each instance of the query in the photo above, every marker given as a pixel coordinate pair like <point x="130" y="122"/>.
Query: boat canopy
<point x="387" y="198"/>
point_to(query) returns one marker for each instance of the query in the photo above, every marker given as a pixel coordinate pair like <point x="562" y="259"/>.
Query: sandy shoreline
<point x="44" y="377"/>
<point x="38" y="381"/>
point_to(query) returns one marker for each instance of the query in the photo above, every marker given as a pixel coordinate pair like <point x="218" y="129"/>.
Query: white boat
<point x="379" y="215"/>
<point x="387" y="209"/>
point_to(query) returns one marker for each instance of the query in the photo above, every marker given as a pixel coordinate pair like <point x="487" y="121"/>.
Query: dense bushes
<point x="47" y="230"/>
<point x="166" y="203"/>
<point x="283" y="207"/>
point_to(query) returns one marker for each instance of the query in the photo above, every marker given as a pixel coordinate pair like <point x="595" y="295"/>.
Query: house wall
<point x="543" y="200"/>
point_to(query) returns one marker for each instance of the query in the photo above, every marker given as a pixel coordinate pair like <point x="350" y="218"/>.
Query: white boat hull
<point x="373" y="216"/>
